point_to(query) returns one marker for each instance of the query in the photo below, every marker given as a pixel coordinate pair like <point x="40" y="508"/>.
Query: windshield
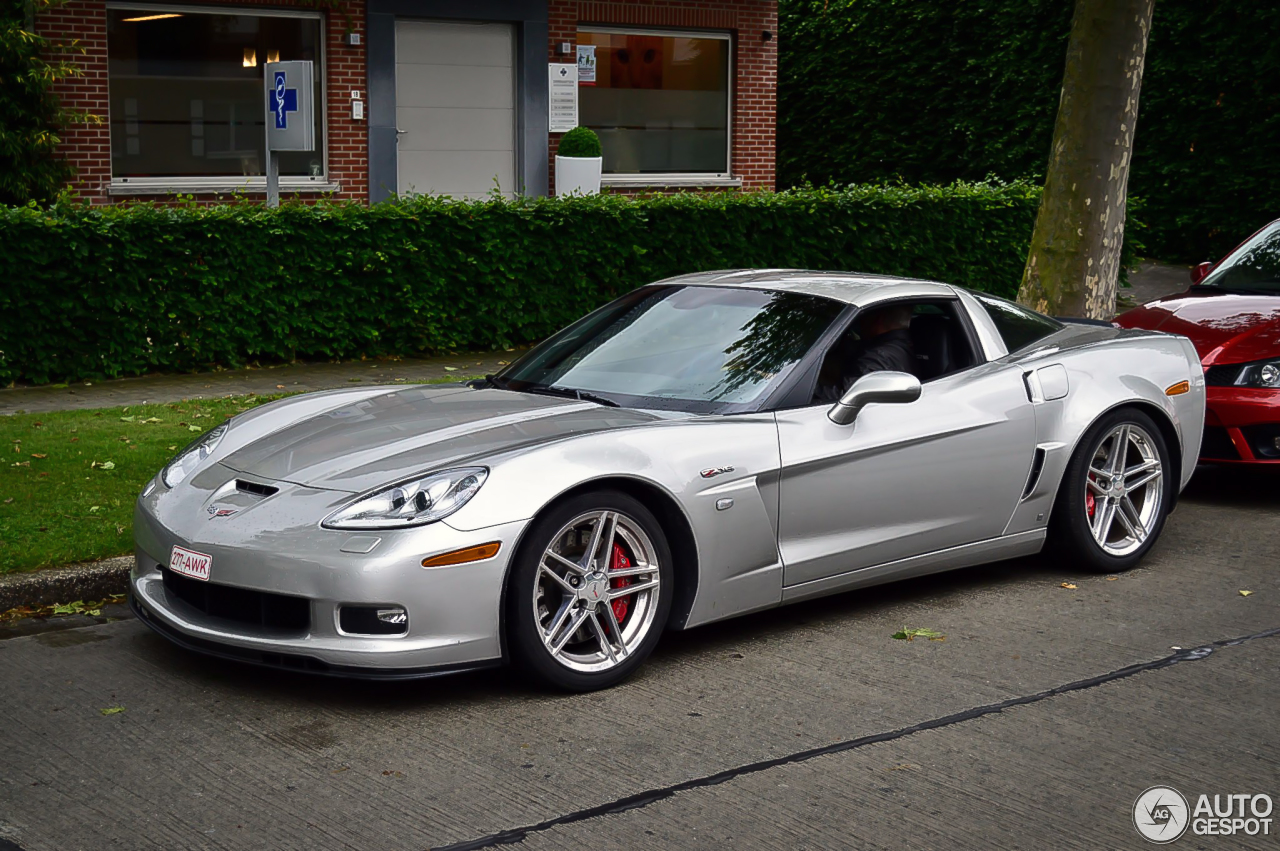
<point x="1254" y="267"/>
<point x="700" y="349"/>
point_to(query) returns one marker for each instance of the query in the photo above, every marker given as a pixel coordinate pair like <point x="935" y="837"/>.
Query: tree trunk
<point x="1074" y="262"/>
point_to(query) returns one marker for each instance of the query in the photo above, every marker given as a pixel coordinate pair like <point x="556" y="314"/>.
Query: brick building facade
<point x="446" y="96"/>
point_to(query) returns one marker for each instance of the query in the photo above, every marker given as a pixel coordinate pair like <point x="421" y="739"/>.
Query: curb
<point x="92" y="580"/>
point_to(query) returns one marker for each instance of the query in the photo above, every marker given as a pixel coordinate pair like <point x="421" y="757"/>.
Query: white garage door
<point x="455" y="108"/>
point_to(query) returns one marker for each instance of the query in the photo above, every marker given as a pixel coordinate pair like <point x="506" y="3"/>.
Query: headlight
<point x="1263" y="373"/>
<point x="188" y="459"/>
<point x="411" y="503"/>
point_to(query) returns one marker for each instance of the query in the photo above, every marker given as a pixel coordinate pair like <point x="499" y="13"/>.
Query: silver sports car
<point x="665" y="462"/>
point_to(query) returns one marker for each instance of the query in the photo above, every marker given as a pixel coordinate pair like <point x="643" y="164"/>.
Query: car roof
<point x="849" y="287"/>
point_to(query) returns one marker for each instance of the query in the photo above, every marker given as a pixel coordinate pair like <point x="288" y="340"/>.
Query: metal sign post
<point x="290" y="118"/>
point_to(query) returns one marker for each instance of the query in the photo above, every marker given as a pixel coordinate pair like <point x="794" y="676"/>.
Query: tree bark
<point x="1074" y="262"/>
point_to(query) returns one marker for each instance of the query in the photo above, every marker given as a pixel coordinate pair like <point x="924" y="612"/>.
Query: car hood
<point x="1224" y="327"/>
<point x="362" y="445"/>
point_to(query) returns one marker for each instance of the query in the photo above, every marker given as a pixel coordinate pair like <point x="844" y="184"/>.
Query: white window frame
<point x="679" y="178"/>
<point x="231" y="183"/>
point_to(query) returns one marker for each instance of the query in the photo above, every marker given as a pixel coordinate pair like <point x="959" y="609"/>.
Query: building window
<point x="660" y="101"/>
<point x="186" y="96"/>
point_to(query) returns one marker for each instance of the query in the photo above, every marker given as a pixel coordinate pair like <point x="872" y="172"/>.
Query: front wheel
<point x="589" y="592"/>
<point x="1114" y="495"/>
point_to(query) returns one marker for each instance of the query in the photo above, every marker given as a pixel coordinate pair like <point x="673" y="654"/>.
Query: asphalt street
<point x="1035" y="724"/>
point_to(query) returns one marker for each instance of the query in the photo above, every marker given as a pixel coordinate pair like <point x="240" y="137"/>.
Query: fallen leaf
<point x="504" y="363"/>
<point x="107" y="465"/>
<point x="1112" y="578"/>
<point x="279" y="386"/>
<point x="1070" y="586"/>
<point x="37" y="425"/>
<point x="9" y="500"/>
<point x="450" y="369"/>
<point x="21" y="464"/>
<point x="172" y="448"/>
<point x="1245" y="593"/>
<point x="112" y="710"/>
<point x="75" y="440"/>
<point x="94" y="509"/>
<point x="40" y="455"/>
<point x="193" y="428"/>
<point x="918" y="632"/>
<point x="152" y="420"/>
<point x="127" y="419"/>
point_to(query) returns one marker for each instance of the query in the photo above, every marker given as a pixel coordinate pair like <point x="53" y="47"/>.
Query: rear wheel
<point x="590" y="592"/>
<point x="1114" y="495"/>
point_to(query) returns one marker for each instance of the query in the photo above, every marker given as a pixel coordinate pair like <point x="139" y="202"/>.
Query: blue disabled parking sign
<point x="283" y="100"/>
<point x="290" y="117"/>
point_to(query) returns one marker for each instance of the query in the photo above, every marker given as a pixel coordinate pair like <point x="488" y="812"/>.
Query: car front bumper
<point x="1242" y="426"/>
<point x="454" y="612"/>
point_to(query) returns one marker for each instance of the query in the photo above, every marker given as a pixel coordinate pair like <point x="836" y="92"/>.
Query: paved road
<point x="1035" y="724"/>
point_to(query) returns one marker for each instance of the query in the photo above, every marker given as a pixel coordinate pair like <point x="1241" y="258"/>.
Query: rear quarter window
<point x="1017" y="326"/>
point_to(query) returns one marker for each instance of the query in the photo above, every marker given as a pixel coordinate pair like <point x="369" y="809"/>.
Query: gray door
<point x="904" y="479"/>
<point x="455" y="108"/>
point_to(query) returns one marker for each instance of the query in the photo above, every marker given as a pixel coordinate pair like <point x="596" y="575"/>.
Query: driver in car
<point x="884" y="344"/>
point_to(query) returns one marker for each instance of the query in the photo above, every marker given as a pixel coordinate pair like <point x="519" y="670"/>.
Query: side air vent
<point x="255" y="488"/>
<point x="1037" y="465"/>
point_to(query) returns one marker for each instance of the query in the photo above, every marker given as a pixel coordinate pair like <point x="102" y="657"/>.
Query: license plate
<point x="190" y="563"/>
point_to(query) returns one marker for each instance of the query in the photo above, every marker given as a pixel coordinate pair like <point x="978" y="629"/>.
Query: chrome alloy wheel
<point x="1124" y="489"/>
<point x="596" y="592"/>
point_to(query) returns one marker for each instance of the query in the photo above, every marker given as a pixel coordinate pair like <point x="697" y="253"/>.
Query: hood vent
<point x="255" y="489"/>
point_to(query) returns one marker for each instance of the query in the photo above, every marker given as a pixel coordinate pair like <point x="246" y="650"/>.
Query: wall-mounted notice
<point x="563" y="86"/>
<point x="586" y="65"/>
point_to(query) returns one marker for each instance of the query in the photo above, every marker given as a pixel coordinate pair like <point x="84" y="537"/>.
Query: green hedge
<point x="112" y="291"/>
<point x="872" y="90"/>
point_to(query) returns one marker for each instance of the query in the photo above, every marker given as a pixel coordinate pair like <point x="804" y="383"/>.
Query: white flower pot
<point x="578" y="175"/>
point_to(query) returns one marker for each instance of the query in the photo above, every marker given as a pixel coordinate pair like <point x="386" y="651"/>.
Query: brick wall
<point x="88" y="146"/>
<point x="755" y="64"/>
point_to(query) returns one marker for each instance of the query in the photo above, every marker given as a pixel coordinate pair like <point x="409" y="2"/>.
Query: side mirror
<point x="1199" y="271"/>
<point x="877" y="387"/>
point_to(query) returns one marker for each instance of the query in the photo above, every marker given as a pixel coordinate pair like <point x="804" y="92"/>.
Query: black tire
<point x="1071" y="542"/>
<point x="529" y="654"/>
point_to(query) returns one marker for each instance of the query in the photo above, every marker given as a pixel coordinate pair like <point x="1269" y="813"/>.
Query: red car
<point x="1232" y="315"/>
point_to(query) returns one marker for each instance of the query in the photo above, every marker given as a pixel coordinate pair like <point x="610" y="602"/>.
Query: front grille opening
<point x="241" y="605"/>
<point x="254" y="488"/>
<point x="1216" y="444"/>
<point x="364" y="620"/>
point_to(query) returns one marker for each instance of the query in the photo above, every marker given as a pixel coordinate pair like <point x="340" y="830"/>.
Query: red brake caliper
<point x="1090" y="505"/>
<point x="620" y="562"/>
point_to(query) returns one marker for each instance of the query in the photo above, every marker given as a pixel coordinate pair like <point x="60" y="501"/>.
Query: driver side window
<point x="925" y="338"/>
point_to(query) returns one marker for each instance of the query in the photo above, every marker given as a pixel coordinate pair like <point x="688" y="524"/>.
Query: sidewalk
<point x="290" y="378"/>
<point x="1150" y="281"/>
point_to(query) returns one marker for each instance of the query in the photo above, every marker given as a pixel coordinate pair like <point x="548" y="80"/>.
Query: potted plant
<point x="578" y="162"/>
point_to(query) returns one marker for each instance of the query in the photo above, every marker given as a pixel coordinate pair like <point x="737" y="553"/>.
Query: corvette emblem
<point x="216" y="511"/>
<point x="715" y="471"/>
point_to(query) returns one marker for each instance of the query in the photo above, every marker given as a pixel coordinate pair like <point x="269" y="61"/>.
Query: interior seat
<point x="931" y="340"/>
